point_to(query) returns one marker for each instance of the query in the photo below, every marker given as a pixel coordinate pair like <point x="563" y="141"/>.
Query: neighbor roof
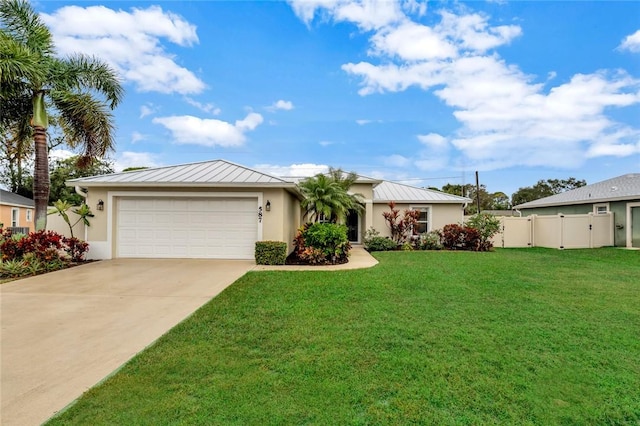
<point x="11" y="199"/>
<point x="206" y="173"/>
<point x="390" y="191"/>
<point x="625" y="187"/>
<point x="360" y="179"/>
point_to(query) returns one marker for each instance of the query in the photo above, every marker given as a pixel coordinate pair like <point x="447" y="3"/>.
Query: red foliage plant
<point x="458" y="237"/>
<point x="402" y="226"/>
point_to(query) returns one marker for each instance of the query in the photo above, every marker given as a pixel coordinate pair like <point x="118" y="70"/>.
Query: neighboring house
<point x="620" y="196"/>
<point x="218" y="209"/>
<point x="17" y="211"/>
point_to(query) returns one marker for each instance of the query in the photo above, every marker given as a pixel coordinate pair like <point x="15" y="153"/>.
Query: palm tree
<point x="327" y="195"/>
<point x="345" y="181"/>
<point x="34" y="81"/>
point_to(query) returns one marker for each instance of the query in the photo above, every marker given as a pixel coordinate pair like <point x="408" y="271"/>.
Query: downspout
<point x="517" y="211"/>
<point x="83" y="193"/>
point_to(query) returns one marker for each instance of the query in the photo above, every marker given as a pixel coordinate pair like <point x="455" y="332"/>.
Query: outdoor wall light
<point x="100" y="205"/>
<point x="267" y="206"/>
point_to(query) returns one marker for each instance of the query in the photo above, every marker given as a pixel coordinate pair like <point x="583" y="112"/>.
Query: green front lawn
<point x="517" y="336"/>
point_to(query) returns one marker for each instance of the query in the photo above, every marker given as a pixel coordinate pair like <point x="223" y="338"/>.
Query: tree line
<point x="501" y="201"/>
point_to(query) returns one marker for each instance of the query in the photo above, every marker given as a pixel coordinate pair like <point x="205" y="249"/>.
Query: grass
<point x="517" y="336"/>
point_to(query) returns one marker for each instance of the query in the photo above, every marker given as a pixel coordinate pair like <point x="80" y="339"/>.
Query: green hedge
<point x="271" y="252"/>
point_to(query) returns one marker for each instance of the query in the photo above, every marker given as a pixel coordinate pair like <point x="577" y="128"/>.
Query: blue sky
<point x="420" y="92"/>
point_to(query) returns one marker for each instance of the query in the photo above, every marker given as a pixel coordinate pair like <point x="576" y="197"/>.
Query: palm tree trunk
<point x="41" y="176"/>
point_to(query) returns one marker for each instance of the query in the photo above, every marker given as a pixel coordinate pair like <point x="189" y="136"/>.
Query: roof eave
<point x="18" y="205"/>
<point x="377" y="201"/>
<point x="285" y="185"/>
<point x="571" y="203"/>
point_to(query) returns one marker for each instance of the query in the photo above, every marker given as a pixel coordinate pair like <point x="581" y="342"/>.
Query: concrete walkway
<point x="65" y="331"/>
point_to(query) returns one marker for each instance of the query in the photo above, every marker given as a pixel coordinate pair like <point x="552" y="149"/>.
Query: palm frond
<point x="20" y="21"/>
<point x="81" y="72"/>
<point x="86" y="122"/>
<point x="17" y="64"/>
<point x="16" y="108"/>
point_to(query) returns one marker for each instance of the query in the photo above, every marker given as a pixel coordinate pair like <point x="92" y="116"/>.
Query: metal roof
<point x="390" y="191"/>
<point x="206" y="173"/>
<point x="625" y="187"/>
<point x="9" y="198"/>
<point x="361" y="179"/>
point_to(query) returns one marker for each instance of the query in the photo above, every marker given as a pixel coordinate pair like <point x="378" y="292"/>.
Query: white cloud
<point x="473" y="32"/>
<point x="130" y="42"/>
<point x="631" y="43"/>
<point x="146" y="110"/>
<point x="281" y="105"/>
<point x="412" y="42"/>
<point x="135" y="159"/>
<point x="326" y="143"/>
<point x="363" y="122"/>
<point x="60" y="154"/>
<point x="435" y="155"/>
<point x="367" y="14"/>
<point x="137" y="137"/>
<point x="507" y="118"/>
<point x="250" y="122"/>
<point x="433" y="140"/>
<point x="396" y="160"/>
<point x="415" y="7"/>
<point x="209" y="108"/>
<point x="293" y="170"/>
<point x="187" y="129"/>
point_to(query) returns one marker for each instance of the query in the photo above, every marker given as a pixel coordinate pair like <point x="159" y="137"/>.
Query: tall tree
<point x="470" y="191"/>
<point x="545" y="188"/>
<point x="15" y="156"/>
<point x="63" y="170"/>
<point x="34" y="82"/>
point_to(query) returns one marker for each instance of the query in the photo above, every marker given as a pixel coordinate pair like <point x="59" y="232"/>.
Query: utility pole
<point x="478" y="191"/>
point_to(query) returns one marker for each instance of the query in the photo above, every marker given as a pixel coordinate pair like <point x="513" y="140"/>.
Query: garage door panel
<point x="182" y="227"/>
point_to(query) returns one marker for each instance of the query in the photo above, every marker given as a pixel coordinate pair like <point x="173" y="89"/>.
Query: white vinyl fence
<point x="556" y="231"/>
<point x="56" y="223"/>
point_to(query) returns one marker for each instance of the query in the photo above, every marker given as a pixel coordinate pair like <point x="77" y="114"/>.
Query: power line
<point x="428" y="178"/>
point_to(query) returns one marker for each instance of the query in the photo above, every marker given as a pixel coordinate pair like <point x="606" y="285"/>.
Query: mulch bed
<point x="292" y="259"/>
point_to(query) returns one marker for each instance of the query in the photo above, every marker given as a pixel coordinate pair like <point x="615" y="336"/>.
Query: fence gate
<point x="556" y="231"/>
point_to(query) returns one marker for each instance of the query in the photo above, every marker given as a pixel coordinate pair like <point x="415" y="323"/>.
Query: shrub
<point x="373" y="241"/>
<point x="458" y="237"/>
<point x="380" y="244"/>
<point x="75" y="248"/>
<point x="10" y="248"/>
<point x="45" y="245"/>
<point x="430" y="241"/>
<point x="487" y="225"/>
<point x="13" y="268"/>
<point x="331" y="239"/>
<point x="271" y="252"/>
<point x="313" y="256"/>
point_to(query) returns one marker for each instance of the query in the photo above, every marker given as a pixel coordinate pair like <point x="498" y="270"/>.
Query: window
<point x="423" y="220"/>
<point x="15" y="217"/>
<point x="29" y="215"/>
<point x="601" y="208"/>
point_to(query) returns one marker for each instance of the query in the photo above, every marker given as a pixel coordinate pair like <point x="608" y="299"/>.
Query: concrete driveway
<point x="65" y="331"/>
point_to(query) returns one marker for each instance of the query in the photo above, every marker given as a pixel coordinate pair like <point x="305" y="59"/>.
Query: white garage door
<point x="214" y="228"/>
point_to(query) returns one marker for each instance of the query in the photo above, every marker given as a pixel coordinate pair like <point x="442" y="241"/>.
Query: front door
<point x="353" y="226"/>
